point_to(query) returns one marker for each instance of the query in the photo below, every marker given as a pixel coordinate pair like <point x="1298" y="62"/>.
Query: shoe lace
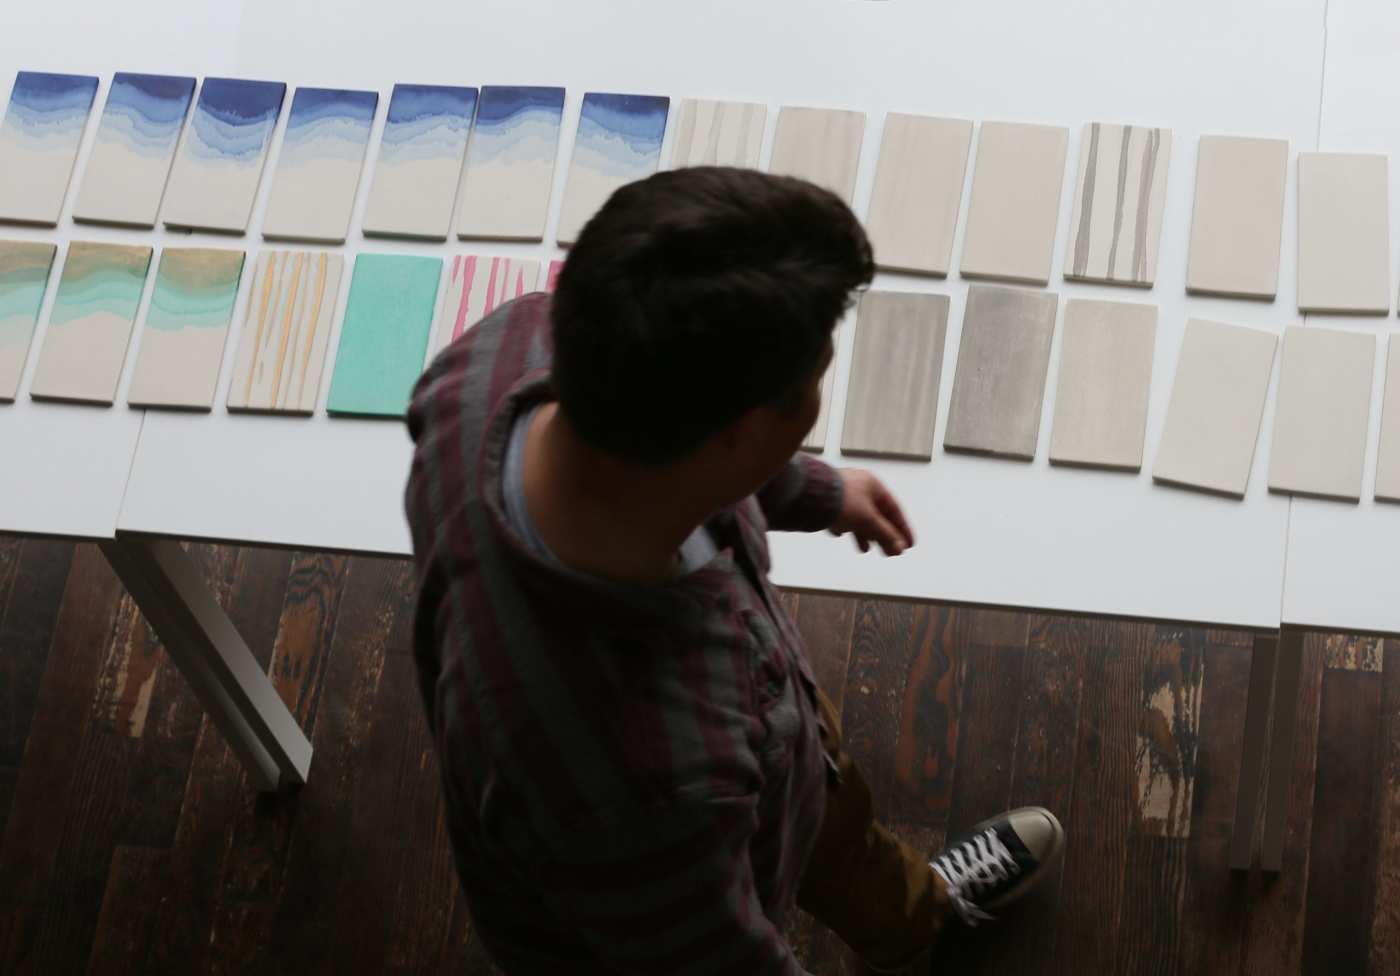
<point x="975" y="865"/>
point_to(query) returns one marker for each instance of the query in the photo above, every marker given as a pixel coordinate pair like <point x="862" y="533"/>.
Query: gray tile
<point x="1119" y="198"/>
<point x="815" y="441"/>
<point x="999" y="385"/>
<point x="1343" y="233"/>
<point x="1015" y="204"/>
<point x="1324" y="408"/>
<point x="1388" y="461"/>
<point x="1216" y="406"/>
<point x="892" y="397"/>
<point x="1237" y="219"/>
<point x="918" y="190"/>
<point x="1105" y="377"/>
<point x="820" y="145"/>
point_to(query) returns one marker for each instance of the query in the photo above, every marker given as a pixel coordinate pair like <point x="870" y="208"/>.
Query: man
<point x="640" y="773"/>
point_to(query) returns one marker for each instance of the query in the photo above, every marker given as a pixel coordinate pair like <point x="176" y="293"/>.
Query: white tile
<point x="1237" y="218"/>
<point x="918" y="192"/>
<point x="820" y="145"/>
<point x="1388" y="460"/>
<point x="1343" y="233"/>
<point x="712" y="133"/>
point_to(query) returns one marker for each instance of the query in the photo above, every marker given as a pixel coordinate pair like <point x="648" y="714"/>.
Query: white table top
<point x="992" y="532"/>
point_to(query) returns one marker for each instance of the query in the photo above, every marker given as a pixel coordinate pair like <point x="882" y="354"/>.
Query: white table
<point x="992" y="532"/>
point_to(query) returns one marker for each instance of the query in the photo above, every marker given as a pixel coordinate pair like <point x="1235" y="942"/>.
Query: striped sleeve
<point x="805" y="496"/>
<point x="671" y="891"/>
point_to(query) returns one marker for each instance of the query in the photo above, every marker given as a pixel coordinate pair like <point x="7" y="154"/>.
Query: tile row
<point x="1213" y="417"/>
<point x="394" y="321"/>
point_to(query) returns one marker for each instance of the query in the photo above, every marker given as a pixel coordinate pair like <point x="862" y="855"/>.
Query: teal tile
<point x="385" y="336"/>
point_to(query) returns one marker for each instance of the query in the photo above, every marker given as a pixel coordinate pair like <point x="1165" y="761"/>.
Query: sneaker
<point x="998" y="861"/>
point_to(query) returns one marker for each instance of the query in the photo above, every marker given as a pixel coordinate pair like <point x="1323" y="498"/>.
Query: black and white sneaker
<point x="998" y="861"/>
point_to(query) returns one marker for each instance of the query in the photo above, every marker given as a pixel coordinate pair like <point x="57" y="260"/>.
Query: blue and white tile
<point x="510" y="163"/>
<point x="618" y="142"/>
<point x="420" y="162"/>
<point x="39" y="141"/>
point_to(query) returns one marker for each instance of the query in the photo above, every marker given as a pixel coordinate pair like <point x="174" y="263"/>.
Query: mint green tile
<point x="385" y="336"/>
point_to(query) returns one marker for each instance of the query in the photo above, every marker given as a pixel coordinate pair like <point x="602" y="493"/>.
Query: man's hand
<point x="870" y="514"/>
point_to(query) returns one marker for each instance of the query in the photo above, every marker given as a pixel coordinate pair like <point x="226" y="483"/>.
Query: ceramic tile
<point x="551" y="275"/>
<point x="39" y="141"/>
<point x="220" y="163"/>
<point x="24" y="275"/>
<point x="618" y="142"/>
<point x="1343" y="233"/>
<point x="1237" y="219"/>
<point x="285" y="332"/>
<point x="182" y="342"/>
<point x="319" y="165"/>
<point x="1216" y="405"/>
<point x="820" y="145"/>
<point x="476" y="286"/>
<point x="1388" y="460"/>
<point x="718" y="134"/>
<point x="1105" y="377"/>
<point x="1015" y="205"/>
<point x="420" y="162"/>
<point x="90" y="323"/>
<point x="999" y="386"/>
<point x="135" y="145"/>
<point x="815" y="441"/>
<point x="892" y="396"/>
<point x="385" y="335"/>
<point x="1324" y="408"/>
<point x="510" y="163"/>
<point x="1119" y="197"/>
<point x="918" y="190"/>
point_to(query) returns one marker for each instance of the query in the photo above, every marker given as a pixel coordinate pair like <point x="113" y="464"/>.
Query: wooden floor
<point x="131" y="842"/>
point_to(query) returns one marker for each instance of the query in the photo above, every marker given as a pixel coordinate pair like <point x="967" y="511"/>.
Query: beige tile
<point x="1324" y="407"/>
<point x="1343" y="233"/>
<point x="892" y="397"/>
<point x="1119" y="197"/>
<point x="821" y="145"/>
<point x="718" y="133"/>
<point x="1216" y="405"/>
<point x="1015" y="204"/>
<point x="999" y="386"/>
<point x="1105" y="377"/>
<point x="1388" y="460"/>
<point x="1237" y="219"/>
<point x="815" y="441"/>
<point x="918" y="191"/>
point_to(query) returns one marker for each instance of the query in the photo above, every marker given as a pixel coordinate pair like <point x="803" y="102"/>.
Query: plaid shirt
<point x="633" y="774"/>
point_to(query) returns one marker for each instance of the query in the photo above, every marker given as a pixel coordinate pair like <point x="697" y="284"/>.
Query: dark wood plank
<point x="26" y="631"/>
<point x="1385" y="921"/>
<point x="826" y="624"/>
<point x="998" y="628"/>
<point x="881" y="648"/>
<point x="128" y="915"/>
<point x="1169" y="731"/>
<point x="1341" y="876"/>
<point x="304" y="632"/>
<point x="10" y="549"/>
<point x="1274" y="926"/>
<point x="928" y="688"/>
<point x="987" y="727"/>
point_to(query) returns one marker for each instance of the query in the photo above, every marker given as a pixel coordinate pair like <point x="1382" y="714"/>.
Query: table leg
<point x="175" y="600"/>
<point x="1288" y="674"/>
<point x="1256" y="741"/>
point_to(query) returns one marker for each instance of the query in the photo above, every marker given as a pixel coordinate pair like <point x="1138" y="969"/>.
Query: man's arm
<point x="809" y="495"/>
<point x="671" y="892"/>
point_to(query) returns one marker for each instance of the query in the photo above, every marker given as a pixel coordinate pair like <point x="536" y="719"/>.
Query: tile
<point x="618" y="142"/>
<point x="815" y="441"/>
<point x="918" y="191"/>
<point x="385" y="335"/>
<point x="892" y="396"/>
<point x="1015" y="205"/>
<point x="220" y="162"/>
<point x="510" y="163"/>
<point x="182" y="342"/>
<point x="420" y="162"/>
<point x="1120" y="194"/>
<point x="90" y="323"/>
<point x="1324" y="408"/>
<point x="24" y="275"/>
<point x="1388" y="460"/>
<point x="1343" y="233"/>
<point x="319" y="165"/>
<point x="285" y="333"/>
<point x="1216" y="405"/>
<point x="135" y="145"/>
<point x="551" y="275"/>
<point x="712" y="133"/>
<point x="475" y="287"/>
<point x="821" y="145"/>
<point x="1237" y="219"/>
<point x="999" y="385"/>
<point x="39" y="141"/>
<point x="1105" y="377"/>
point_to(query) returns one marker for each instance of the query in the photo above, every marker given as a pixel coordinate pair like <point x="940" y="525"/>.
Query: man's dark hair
<point x="694" y="296"/>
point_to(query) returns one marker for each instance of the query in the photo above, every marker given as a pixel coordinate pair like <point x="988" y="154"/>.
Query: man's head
<point x="693" y="318"/>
